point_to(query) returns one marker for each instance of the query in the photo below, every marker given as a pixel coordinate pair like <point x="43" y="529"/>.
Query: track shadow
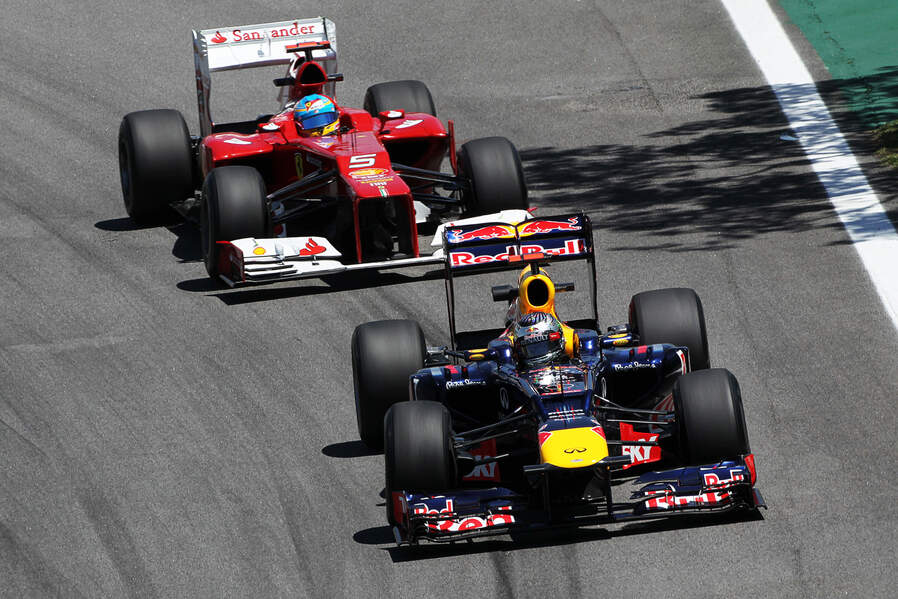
<point x="546" y="538"/>
<point x="290" y="289"/>
<point x="739" y="175"/>
<point x="348" y="449"/>
<point x="121" y="224"/>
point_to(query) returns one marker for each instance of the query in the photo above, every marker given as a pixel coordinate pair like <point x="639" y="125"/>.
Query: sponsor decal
<point x="270" y="127"/>
<point x="489" y="471"/>
<point x="312" y="248"/>
<point x="238" y="142"/>
<point x="488" y="232"/>
<point x="639" y="454"/>
<point x="394" y="114"/>
<point x="259" y="251"/>
<point x="465" y="383"/>
<point x="464" y="523"/>
<point x="537" y="227"/>
<point x="575" y="450"/>
<point x="257" y="35"/>
<point x="712" y="480"/>
<point x="668" y="501"/>
<point x="460" y="258"/>
<point x="368" y="172"/>
<point x="634" y="366"/>
<point x="408" y="123"/>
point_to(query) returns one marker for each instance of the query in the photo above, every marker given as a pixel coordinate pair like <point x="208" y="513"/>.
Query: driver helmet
<point x="316" y="115"/>
<point x="538" y="339"/>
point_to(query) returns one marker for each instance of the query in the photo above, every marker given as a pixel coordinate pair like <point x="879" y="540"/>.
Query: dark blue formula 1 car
<point x="543" y="423"/>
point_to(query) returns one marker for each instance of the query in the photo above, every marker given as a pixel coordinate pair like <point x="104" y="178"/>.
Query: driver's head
<point x="538" y="339"/>
<point x="316" y="115"/>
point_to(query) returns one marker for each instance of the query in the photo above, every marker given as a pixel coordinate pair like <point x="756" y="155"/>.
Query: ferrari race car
<point x="630" y="424"/>
<point x="275" y="200"/>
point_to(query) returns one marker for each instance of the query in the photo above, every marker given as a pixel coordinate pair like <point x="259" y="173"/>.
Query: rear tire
<point x="385" y="354"/>
<point x="155" y="164"/>
<point x="234" y="206"/>
<point x="496" y="177"/>
<point x="408" y="95"/>
<point x="710" y="417"/>
<point x="673" y="316"/>
<point x="418" y="452"/>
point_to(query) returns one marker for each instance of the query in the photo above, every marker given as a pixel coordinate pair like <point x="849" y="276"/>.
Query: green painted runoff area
<point x="858" y="42"/>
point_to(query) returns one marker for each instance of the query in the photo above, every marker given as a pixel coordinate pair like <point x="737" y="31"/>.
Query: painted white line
<point x="854" y="200"/>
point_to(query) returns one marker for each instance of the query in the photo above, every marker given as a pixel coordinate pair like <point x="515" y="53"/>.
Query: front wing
<point x="464" y="514"/>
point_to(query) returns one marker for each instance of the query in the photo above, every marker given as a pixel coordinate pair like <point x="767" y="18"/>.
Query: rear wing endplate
<point x="249" y="46"/>
<point x="489" y="247"/>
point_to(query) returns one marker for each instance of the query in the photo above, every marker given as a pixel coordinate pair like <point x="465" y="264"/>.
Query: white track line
<point x="852" y="197"/>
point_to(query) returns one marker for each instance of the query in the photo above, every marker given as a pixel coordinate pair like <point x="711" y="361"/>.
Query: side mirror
<point x="284" y="81"/>
<point x="504" y="293"/>
<point x="564" y="287"/>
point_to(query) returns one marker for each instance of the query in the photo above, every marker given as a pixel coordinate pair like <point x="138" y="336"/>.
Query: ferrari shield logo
<point x="298" y="159"/>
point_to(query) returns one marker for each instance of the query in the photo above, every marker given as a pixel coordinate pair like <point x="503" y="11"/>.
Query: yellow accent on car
<point x="573" y="448"/>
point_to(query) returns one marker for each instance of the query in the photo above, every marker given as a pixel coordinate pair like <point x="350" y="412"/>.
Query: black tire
<point x="234" y="206"/>
<point x="418" y="452"/>
<point x="672" y="316"/>
<point x="409" y="95"/>
<point x="155" y="164"/>
<point x="385" y="353"/>
<point x="493" y="169"/>
<point x="710" y="417"/>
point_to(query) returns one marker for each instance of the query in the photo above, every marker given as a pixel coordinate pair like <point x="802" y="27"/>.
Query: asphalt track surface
<point x="160" y="437"/>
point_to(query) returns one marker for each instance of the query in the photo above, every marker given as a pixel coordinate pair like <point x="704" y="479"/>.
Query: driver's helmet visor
<point x="316" y="121"/>
<point x="534" y="347"/>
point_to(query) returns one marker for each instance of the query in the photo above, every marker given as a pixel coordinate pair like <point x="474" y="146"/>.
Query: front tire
<point x="710" y="417"/>
<point x="234" y="206"/>
<point x="673" y="316"/>
<point x="385" y="354"/>
<point x="493" y="169"/>
<point x="408" y="95"/>
<point x="418" y="452"/>
<point x="155" y="164"/>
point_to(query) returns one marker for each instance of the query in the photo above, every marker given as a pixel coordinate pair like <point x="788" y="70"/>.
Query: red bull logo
<point x="481" y="234"/>
<point x="465" y="522"/>
<point x="461" y="258"/>
<point x="537" y="227"/>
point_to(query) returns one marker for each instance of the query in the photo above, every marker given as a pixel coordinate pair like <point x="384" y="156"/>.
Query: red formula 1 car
<point x="274" y="201"/>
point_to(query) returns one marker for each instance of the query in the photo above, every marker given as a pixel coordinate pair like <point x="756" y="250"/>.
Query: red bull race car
<point x="316" y="188"/>
<point x="542" y="423"/>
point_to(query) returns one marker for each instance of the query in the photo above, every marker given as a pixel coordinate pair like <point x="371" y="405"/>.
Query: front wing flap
<point x="253" y="261"/>
<point x="464" y="514"/>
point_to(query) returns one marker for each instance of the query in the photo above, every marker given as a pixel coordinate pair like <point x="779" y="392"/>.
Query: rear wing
<point x="249" y="46"/>
<point x="488" y="247"/>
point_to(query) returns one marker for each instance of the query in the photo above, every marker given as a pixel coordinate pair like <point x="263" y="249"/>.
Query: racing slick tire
<point x="155" y="163"/>
<point x="710" y="418"/>
<point x="418" y="452"/>
<point x="234" y="206"/>
<point x="408" y="95"/>
<point x="495" y="176"/>
<point x="672" y="316"/>
<point x="385" y="353"/>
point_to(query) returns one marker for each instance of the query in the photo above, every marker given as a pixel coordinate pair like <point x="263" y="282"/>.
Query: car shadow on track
<point x="349" y="449"/>
<point x="326" y="284"/>
<point x="382" y="535"/>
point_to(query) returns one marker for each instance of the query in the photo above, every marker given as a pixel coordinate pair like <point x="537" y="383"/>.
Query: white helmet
<point x="538" y="339"/>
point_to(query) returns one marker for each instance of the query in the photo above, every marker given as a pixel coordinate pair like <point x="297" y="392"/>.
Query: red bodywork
<point x="361" y="153"/>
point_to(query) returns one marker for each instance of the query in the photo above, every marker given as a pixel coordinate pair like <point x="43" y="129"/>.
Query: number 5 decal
<point x="362" y="160"/>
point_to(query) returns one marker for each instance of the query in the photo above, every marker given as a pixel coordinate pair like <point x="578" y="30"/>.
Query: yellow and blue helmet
<point x="316" y="115"/>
